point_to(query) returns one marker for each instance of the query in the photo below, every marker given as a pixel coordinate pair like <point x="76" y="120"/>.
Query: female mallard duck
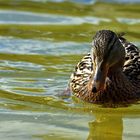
<point x="110" y="73"/>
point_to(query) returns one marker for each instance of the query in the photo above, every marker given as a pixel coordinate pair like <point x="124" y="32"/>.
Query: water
<point x="40" y="43"/>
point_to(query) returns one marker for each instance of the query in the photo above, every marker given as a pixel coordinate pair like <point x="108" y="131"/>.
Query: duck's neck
<point x="118" y="88"/>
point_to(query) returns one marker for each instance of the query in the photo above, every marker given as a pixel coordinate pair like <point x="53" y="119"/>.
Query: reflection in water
<point x="111" y="126"/>
<point x="106" y="127"/>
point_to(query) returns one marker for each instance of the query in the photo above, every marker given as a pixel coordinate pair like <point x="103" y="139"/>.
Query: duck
<point x="110" y="73"/>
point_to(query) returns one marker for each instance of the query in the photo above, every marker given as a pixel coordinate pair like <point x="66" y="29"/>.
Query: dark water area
<point x="40" y="43"/>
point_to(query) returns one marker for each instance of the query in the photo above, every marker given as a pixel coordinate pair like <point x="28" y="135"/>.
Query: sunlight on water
<point x="29" y="46"/>
<point x="41" y="41"/>
<point x="128" y="21"/>
<point x="18" y="17"/>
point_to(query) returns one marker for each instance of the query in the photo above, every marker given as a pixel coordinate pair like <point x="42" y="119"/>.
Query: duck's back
<point x="132" y="62"/>
<point x="80" y="78"/>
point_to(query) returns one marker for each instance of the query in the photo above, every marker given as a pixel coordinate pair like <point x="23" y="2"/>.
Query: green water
<point x="40" y="43"/>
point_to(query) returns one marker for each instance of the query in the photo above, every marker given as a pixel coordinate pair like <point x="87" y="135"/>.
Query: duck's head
<point x="108" y="57"/>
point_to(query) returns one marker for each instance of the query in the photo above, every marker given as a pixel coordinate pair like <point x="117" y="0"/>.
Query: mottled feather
<point x="81" y="79"/>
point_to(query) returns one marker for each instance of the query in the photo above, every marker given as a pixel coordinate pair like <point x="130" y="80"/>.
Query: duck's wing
<point x="80" y="79"/>
<point x="131" y="66"/>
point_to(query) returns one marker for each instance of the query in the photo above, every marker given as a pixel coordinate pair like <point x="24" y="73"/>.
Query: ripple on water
<point x="128" y="21"/>
<point x="26" y="69"/>
<point x="30" y="46"/>
<point x="91" y="1"/>
<point x="32" y="72"/>
<point x="21" y="17"/>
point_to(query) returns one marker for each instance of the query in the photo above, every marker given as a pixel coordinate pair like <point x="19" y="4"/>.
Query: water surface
<point x="40" y="43"/>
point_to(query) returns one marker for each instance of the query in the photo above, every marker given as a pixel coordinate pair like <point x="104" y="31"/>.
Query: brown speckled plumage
<point x="112" y="68"/>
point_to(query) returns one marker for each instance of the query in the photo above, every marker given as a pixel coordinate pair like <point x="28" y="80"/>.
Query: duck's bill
<point x="99" y="79"/>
